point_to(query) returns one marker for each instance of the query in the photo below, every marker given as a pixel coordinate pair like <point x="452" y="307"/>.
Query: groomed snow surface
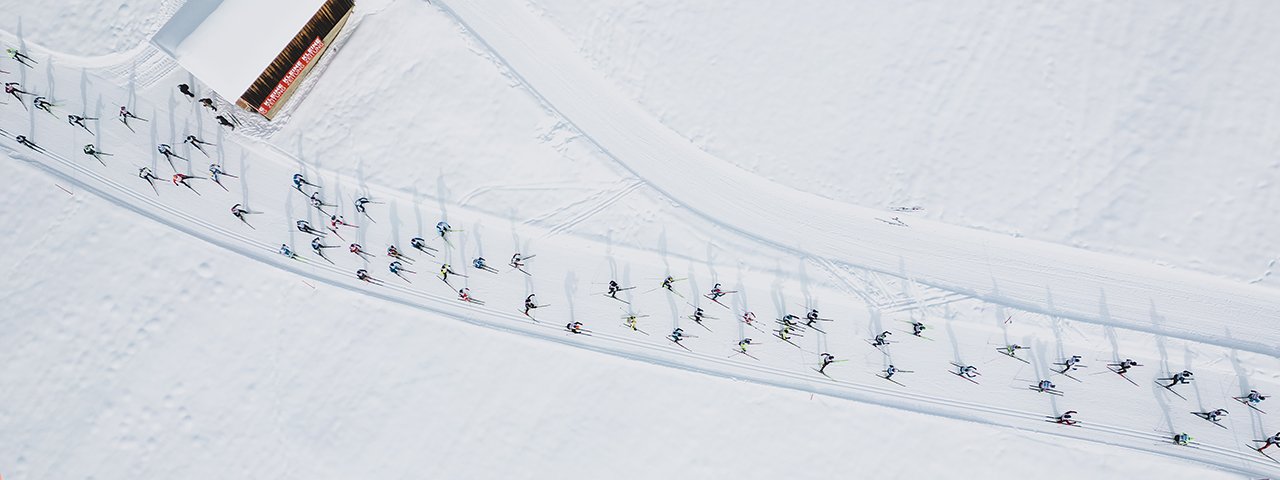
<point x="149" y="334"/>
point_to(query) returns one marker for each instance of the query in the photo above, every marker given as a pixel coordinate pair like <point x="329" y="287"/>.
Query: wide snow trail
<point x="1025" y="274"/>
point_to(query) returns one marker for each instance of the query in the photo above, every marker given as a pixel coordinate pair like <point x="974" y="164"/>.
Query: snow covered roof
<point x="228" y="43"/>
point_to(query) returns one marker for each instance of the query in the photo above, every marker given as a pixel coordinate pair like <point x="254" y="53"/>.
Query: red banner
<point x="298" y="66"/>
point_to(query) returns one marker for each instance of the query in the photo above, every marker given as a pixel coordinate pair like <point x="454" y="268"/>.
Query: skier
<point x="196" y="142"/>
<point x="318" y="203"/>
<point x="394" y="252"/>
<point x="360" y="203"/>
<point x="146" y="174"/>
<point x="1124" y="366"/>
<point x="42" y="103"/>
<point x="613" y="288"/>
<point x="1010" y="349"/>
<point x="464" y="294"/>
<point x="215" y="173"/>
<point x="677" y="335"/>
<point x="11" y="88"/>
<point x="969" y="371"/>
<point x="89" y="149"/>
<point x="888" y="372"/>
<point x="811" y="317"/>
<point x="336" y="220"/>
<point x="917" y="328"/>
<point x="364" y="275"/>
<point x="882" y="339"/>
<point x="1177" y="378"/>
<point x="420" y="244"/>
<point x="666" y="282"/>
<point x="1069" y="364"/>
<point x="21" y="57"/>
<point x="286" y="251"/>
<point x="748" y="317"/>
<point x="442" y="228"/>
<point x="305" y="227"/>
<point x="575" y="327"/>
<point x="186" y="90"/>
<point x="1253" y="397"/>
<point x="1213" y="416"/>
<point x="26" y="142"/>
<point x="167" y="151"/>
<point x="125" y="115"/>
<point x="79" y="121"/>
<point x="1272" y="440"/>
<point x="396" y="268"/>
<point x="208" y="103"/>
<point x="827" y="359"/>
<point x="239" y="211"/>
<point x="318" y="247"/>
<point x="181" y="179"/>
<point x="742" y="344"/>
<point x="358" y="250"/>
<point x="529" y="304"/>
<point x="698" y="315"/>
<point x="224" y="122"/>
<point x="517" y="261"/>
<point x="445" y="271"/>
<point x="1065" y="418"/>
<point x="630" y="322"/>
<point x="1182" y="439"/>
<point x="716" y="293"/>
<point x="299" y="181"/>
<point x="1045" y="386"/>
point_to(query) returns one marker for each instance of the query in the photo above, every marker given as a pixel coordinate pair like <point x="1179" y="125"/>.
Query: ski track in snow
<point x="1028" y="275"/>
<point x="140" y="200"/>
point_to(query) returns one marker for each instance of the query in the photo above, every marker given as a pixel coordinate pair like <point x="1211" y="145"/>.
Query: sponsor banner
<point x="307" y="57"/>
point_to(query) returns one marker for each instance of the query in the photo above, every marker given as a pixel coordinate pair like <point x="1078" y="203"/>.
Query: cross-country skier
<point x="1046" y="385"/>
<point x="575" y="327"/>
<point x="196" y="142"/>
<point x="1272" y="440"/>
<point x="812" y="316"/>
<point x="216" y="173"/>
<point x="224" y="122"/>
<point x="613" y="288"/>
<point x="286" y="251"/>
<point x="167" y="151"/>
<point x="888" y="372"/>
<point x="394" y="252"/>
<point x="21" y="57"/>
<point x="969" y="371"/>
<point x="318" y="247"/>
<point x="26" y="142"/>
<point x="716" y="293"/>
<point x="360" y="203"/>
<point x="698" y="314"/>
<point x="336" y="221"/>
<point x="11" y="88"/>
<point x="748" y="317"/>
<point x="464" y="294"/>
<point x="882" y="339"/>
<point x="181" y="179"/>
<point x="396" y="267"/>
<point x="146" y="174"/>
<point x="1069" y="364"/>
<point x="239" y="212"/>
<point x="1254" y="397"/>
<point x="1213" y="416"/>
<point x="529" y="304"/>
<point x="827" y="359"/>
<point x="125" y="115"/>
<point x="419" y="243"/>
<point x="445" y="271"/>
<point x="208" y="103"/>
<point x="1182" y="439"/>
<point x="364" y="275"/>
<point x="89" y="149"/>
<point x="1065" y="418"/>
<point x="358" y="250"/>
<point x="186" y="90"/>
<point x="42" y="103"/>
<point x="1177" y="378"/>
<point x="79" y="121"/>
<point x="517" y="261"/>
<point x="1011" y="349"/>
<point x="666" y="282"/>
<point x="299" y="181"/>
<point x="742" y="344"/>
<point x="305" y="227"/>
<point x="442" y="228"/>
<point x="319" y="204"/>
<point x="676" y="335"/>
<point x="1124" y="366"/>
<point x="917" y="328"/>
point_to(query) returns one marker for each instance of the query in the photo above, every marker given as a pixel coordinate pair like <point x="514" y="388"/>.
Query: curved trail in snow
<point x="1024" y="274"/>
<point x="193" y="218"/>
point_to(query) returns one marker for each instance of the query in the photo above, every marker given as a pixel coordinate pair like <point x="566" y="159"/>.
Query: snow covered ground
<point x="200" y="350"/>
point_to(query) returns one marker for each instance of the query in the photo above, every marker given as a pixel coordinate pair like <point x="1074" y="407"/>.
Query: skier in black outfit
<point x="11" y="88"/>
<point x="186" y="90"/>
<point x="78" y="120"/>
<point x="208" y="103"/>
<point x="224" y="122"/>
<point x="196" y="142"/>
<point x="27" y="142"/>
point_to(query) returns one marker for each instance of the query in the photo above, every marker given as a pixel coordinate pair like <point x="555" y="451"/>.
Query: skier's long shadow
<point x="1158" y="390"/>
<point x="949" y="318"/>
<point x="1242" y="377"/>
<point x="1104" y="313"/>
<point x="570" y="292"/>
<point x="741" y="300"/>
<point x="671" y="301"/>
<point x="97" y="113"/>
<point x="242" y="170"/>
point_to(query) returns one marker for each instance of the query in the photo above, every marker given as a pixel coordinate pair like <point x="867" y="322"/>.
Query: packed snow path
<point x="1024" y="274"/>
<point x="263" y="186"/>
